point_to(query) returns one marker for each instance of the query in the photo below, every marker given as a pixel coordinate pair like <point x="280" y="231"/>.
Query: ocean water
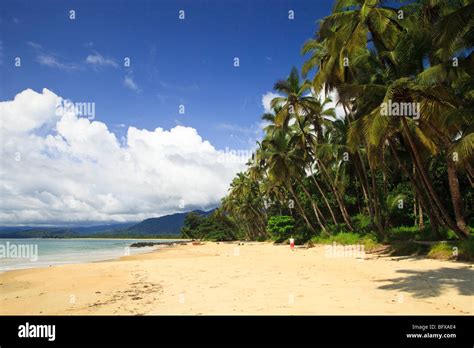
<point x="34" y="253"/>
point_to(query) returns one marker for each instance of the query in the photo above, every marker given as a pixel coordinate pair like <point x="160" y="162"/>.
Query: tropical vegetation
<point x="333" y="161"/>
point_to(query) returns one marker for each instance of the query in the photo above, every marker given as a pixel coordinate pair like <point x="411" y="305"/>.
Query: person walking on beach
<point x="292" y="243"/>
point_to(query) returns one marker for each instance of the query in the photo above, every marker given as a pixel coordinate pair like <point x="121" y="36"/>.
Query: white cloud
<point x="267" y="100"/>
<point x="333" y="104"/>
<point x="97" y="59"/>
<point x="130" y="84"/>
<point x="53" y="62"/>
<point x="50" y="59"/>
<point x="61" y="168"/>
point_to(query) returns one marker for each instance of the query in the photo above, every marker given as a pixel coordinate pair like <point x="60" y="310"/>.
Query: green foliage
<point x="338" y="228"/>
<point x="457" y="250"/>
<point x="190" y="226"/>
<point x="364" y="173"/>
<point x="443" y="251"/>
<point x="405" y="233"/>
<point x="362" y="223"/>
<point x="466" y="249"/>
<point x="214" y="227"/>
<point x="348" y="238"/>
<point x="407" y="248"/>
<point x="281" y="227"/>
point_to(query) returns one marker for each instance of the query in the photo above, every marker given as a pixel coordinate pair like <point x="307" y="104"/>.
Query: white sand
<point x="256" y="278"/>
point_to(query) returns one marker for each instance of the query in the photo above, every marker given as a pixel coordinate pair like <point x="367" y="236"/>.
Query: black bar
<point x="260" y="330"/>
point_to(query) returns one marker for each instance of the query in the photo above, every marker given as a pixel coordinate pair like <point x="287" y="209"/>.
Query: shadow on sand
<point x="431" y="283"/>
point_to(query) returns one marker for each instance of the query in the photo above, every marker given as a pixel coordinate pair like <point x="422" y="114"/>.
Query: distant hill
<point x="168" y="225"/>
<point x="102" y="228"/>
<point x="165" y="225"/>
<point x="58" y="232"/>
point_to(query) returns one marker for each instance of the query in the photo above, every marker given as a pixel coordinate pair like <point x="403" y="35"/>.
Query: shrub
<point x="405" y="248"/>
<point x="404" y="233"/>
<point x="348" y="238"/>
<point x="362" y="223"/>
<point x="459" y="250"/>
<point x="280" y="227"/>
<point x="443" y="251"/>
<point x="466" y="249"/>
<point x="335" y="229"/>
<point x="215" y="227"/>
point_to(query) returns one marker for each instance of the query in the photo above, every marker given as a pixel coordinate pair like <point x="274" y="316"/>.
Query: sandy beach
<point x="255" y="278"/>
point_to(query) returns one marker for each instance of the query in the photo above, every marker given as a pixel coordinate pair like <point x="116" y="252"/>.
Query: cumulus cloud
<point x="267" y="100"/>
<point x="58" y="167"/>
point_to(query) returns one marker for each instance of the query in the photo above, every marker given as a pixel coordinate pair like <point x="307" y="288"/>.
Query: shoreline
<point x="254" y="278"/>
<point x="138" y="249"/>
<point x="99" y="238"/>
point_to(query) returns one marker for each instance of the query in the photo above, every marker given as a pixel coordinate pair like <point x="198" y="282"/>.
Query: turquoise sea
<point x="33" y="253"/>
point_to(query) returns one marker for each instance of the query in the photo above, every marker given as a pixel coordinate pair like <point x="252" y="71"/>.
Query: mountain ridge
<point x="167" y="225"/>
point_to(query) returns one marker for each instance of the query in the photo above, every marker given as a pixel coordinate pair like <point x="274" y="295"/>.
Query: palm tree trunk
<point x="316" y="210"/>
<point x="456" y="196"/>
<point x="260" y="221"/>
<point x="324" y="196"/>
<point x="290" y="188"/>
<point x="427" y="182"/>
<point x="339" y="200"/>
<point x="421" y="224"/>
<point x="415" y="211"/>
<point x="376" y="198"/>
<point x="435" y="219"/>
<point x="364" y="181"/>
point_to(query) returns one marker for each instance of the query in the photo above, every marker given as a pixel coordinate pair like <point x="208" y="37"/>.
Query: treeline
<point x="395" y="158"/>
<point x="215" y="226"/>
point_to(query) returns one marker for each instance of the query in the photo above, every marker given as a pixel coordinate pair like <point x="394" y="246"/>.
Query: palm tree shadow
<point x="432" y="283"/>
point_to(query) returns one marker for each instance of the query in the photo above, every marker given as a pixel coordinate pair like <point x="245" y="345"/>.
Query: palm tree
<point x="300" y="105"/>
<point x="283" y="166"/>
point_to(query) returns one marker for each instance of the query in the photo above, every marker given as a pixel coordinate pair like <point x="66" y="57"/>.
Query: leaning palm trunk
<point x="362" y="176"/>
<point x="430" y="209"/>
<point x="333" y="216"/>
<point x="456" y="196"/>
<point x="260" y="222"/>
<point x="298" y="204"/>
<point x="316" y="210"/>
<point x="361" y="172"/>
<point x="340" y="202"/>
<point x="376" y="205"/>
<point x="427" y="182"/>
<point x="453" y="182"/>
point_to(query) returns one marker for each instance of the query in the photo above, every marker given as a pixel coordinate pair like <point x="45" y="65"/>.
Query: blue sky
<point x="139" y="157"/>
<point x="173" y="62"/>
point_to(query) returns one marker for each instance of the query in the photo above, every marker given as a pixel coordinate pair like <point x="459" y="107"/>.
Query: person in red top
<point x="292" y="243"/>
